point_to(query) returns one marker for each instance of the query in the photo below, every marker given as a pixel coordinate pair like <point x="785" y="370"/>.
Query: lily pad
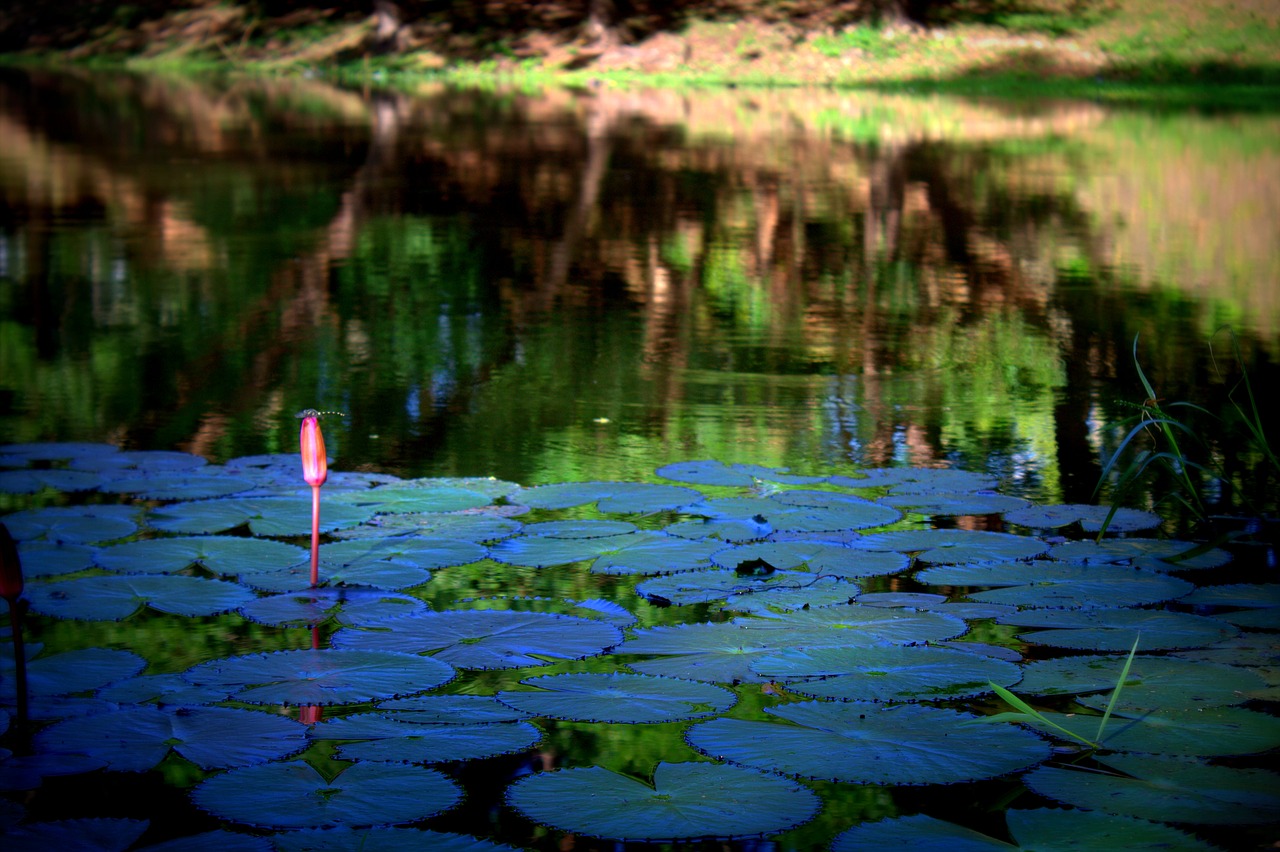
<point x="1165" y="789"/>
<point x="1089" y="517"/>
<point x="70" y="671"/>
<point x="1262" y="595"/>
<point x="955" y="547"/>
<point x="620" y="698"/>
<point x="918" y="480"/>
<point x="56" y="450"/>
<point x="349" y="606"/>
<point x="1042" y="828"/>
<point x="399" y="497"/>
<point x="617" y="497"/>
<point x="342" y="839"/>
<point x="178" y="486"/>
<point x="954" y="503"/>
<point x="719" y="652"/>
<point x="663" y="555"/>
<point x="885" y="673"/>
<point x="1153" y="683"/>
<point x="730" y="530"/>
<point x="685" y="801"/>
<point x="295" y="795"/>
<point x="480" y="527"/>
<point x="543" y="551"/>
<point x="419" y="551"/>
<point x="1208" y="732"/>
<point x="395" y="739"/>
<point x="217" y="840"/>
<point x="146" y="461"/>
<point x="221" y="554"/>
<point x="320" y="677"/>
<point x="47" y="559"/>
<point x="117" y="597"/>
<point x="864" y="743"/>
<point x="859" y="624"/>
<point x="1151" y="553"/>
<point x="269" y="516"/>
<point x="705" y="472"/>
<point x="453" y="709"/>
<point x="98" y="834"/>
<point x="35" y="481"/>
<point x="489" y="639"/>
<point x="1116" y="629"/>
<point x="72" y="524"/>
<point x="706" y="586"/>
<point x="135" y="739"/>
<point x="1062" y="585"/>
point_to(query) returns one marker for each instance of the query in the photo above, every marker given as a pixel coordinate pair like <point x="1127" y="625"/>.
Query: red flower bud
<point x="315" y="464"/>
<point x="10" y="567"/>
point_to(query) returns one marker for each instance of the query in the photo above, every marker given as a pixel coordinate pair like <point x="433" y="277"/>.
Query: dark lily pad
<point x="850" y="563"/>
<point x="617" y="697"/>
<point x="1263" y="595"/>
<point x="480" y="527"/>
<point x="1062" y="585"/>
<point x="1116" y="629"/>
<point x="1152" y="553"/>
<point x="295" y="795"/>
<point x="395" y="739"/>
<point x="704" y="651"/>
<point x="453" y="709"/>
<point x="1165" y="789"/>
<point x="212" y="841"/>
<point x="72" y="524"/>
<point x="342" y="839"/>
<point x="117" y="597"/>
<point x="55" y="451"/>
<point x="865" y="743"/>
<point x="1089" y="517"/>
<point x="1207" y="732"/>
<point x="1042" y="828"/>
<point x="859" y="624"/>
<point x="489" y="639"/>
<point x="135" y="739"/>
<point x="28" y="771"/>
<point x="955" y="547"/>
<point x="959" y="503"/>
<point x="918" y="480"/>
<point x="100" y="835"/>
<point x="35" y="481"/>
<point x="661" y="555"/>
<point x="543" y="551"/>
<point x="686" y="800"/>
<point x="320" y="677"/>
<point x="166" y="690"/>
<point x="706" y="586"/>
<point x="418" y="551"/>
<point x="221" y="554"/>
<point x="796" y="511"/>
<point x="145" y="461"/>
<point x="349" y="606"/>
<point x="885" y="673"/>
<point x="70" y="672"/>
<point x="1153" y="683"/>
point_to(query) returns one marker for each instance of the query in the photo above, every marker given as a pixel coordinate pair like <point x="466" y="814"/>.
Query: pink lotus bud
<point x="315" y="464"/>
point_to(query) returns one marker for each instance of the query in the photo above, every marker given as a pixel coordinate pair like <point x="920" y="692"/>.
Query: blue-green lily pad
<point x="396" y="739"/>
<point x="730" y="530"/>
<point x="28" y="771"/>
<point x="166" y="690"/>
<point x="1152" y="553"/>
<point x="480" y="527"/>
<point x="453" y="709"/>
<point x="146" y="461"/>
<point x="544" y="551"/>
<point x="117" y="597"/>
<point x="178" y="486"/>
<point x="686" y="800"/>
<point x="705" y="472"/>
<point x="1089" y="517"/>
<point x="719" y="652"/>
<point x="1116" y="629"/>
<point x="1062" y="585"/>
<point x="1207" y="732"/>
<point x="918" y="480"/>
<point x="217" y="840"/>
<point x="268" y="516"/>
<point x="957" y="503"/>
<point x="1263" y="595"/>
<point x="399" y="497"/>
<point x="56" y="450"/>
<point x="858" y="624"/>
<point x="661" y="555"/>
<point x="706" y="586"/>
<point x="618" y="697"/>
<point x="955" y="547"/>
<point x="295" y="795"/>
<point x="72" y="524"/>
<point x="419" y="551"/>
<point x="1165" y="789"/>
<point x="1042" y="828"/>
<point x="885" y="673"/>
<point x="221" y="554"/>
<point x="864" y="743"/>
<point x="135" y="739"/>
<point x="850" y="563"/>
<point x="614" y="497"/>
<point x="349" y="606"/>
<point x="489" y="639"/>
<point x="320" y="677"/>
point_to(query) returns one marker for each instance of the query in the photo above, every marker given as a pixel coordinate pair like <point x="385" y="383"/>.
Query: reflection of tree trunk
<point x="888" y="190"/>
<point x="387" y="32"/>
<point x="600" y="31"/>
<point x="599" y="146"/>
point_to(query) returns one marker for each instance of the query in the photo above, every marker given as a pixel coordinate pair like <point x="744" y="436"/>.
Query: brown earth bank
<point x="760" y="41"/>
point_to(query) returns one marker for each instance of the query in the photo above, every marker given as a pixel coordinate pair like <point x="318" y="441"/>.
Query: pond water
<point x="591" y="286"/>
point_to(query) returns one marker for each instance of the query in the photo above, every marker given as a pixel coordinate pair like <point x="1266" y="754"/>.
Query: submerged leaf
<point x="687" y="800"/>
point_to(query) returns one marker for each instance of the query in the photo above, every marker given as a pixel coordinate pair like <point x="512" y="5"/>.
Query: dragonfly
<point x="311" y="412"/>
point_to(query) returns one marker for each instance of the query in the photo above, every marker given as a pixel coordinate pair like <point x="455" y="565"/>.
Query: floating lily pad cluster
<point x="787" y="628"/>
